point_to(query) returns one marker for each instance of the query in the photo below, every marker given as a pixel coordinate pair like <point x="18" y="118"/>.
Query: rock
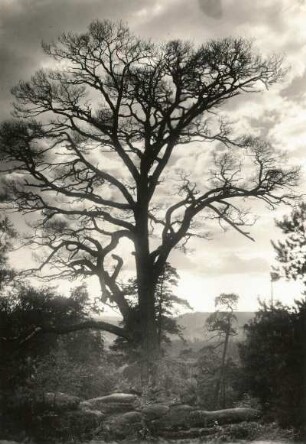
<point x="154" y="411"/>
<point x="113" y="408"/>
<point x="203" y="418"/>
<point x="185" y="434"/>
<point x="85" y="405"/>
<point x="92" y="413"/>
<point x="85" y="420"/>
<point x="115" y="403"/>
<point x="124" y="425"/>
<point x="4" y="441"/>
<point x="176" y="418"/>
<point x="58" y="401"/>
<point x="99" y="441"/>
<point x="125" y="398"/>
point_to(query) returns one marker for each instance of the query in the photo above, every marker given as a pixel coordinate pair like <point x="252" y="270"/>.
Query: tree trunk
<point x="148" y="326"/>
<point x="146" y="297"/>
<point x="159" y="313"/>
<point x="220" y="381"/>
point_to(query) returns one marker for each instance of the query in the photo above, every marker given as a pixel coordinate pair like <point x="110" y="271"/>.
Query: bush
<point x="274" y="362"/>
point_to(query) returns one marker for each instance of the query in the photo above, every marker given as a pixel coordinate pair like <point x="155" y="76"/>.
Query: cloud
<point x="24" y="24"/>
<point x="296" y="90"/>
<point x="212" y="8"/>
<point x="217" y="262"/>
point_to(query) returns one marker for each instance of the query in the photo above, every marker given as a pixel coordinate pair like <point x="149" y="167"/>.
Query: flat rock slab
<point x="116" y="397"/>
<point x="115" y="403"/>
<point x="109" y="408"/>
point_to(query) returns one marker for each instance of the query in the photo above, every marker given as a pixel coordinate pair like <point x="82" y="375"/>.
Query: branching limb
<point x="85" y="325"/>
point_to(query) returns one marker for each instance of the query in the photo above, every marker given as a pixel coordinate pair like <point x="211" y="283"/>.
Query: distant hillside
<point x="193" y="324"/>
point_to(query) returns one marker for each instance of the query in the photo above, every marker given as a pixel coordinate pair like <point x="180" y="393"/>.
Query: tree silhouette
<point x="92" y="147"/>
<point x="223" y="322"/>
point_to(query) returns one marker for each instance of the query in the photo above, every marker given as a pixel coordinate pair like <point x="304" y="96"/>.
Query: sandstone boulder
<point x="124" y="398"/>
<point x="123" y="425"/>
<point x="176" y="418"/>
<point x="203" y="418"/>
<point x="154" y="411"/>
<point x="115" y="403"/>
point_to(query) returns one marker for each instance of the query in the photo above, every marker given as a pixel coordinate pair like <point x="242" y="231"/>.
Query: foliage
<point x="274" y="361"/>
<point x="167" y="304"/>
<point x="291" y="252"/>
<point x="208" y="367"/>
<point x="7" y="236"/>
<point x="175" y="382"/>
<point x="74" y="363"/>
<point x="88" y="376"/>
<point x="223" y="320"/>
<point x="208" y="375"/>
<point x="92" y="145"/>
<point x="24" y="310"/>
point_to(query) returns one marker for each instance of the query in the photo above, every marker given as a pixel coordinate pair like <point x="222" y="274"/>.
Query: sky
<point x="227" y="262"/>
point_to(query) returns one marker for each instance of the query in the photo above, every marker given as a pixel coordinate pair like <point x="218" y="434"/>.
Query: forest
<point x="87" y="162"/>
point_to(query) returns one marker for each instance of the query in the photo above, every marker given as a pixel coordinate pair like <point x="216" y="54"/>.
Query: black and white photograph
<point x="153" y="221"/>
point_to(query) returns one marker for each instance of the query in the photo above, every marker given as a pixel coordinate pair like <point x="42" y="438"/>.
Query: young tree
<point x="91" y="147"/>
<point x="222" y="323"/>
<point x="167" y="303"/>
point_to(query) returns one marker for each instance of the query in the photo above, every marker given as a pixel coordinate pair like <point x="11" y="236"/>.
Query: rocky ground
<point x="122" y="414"/>
<point x="127" y="418"/>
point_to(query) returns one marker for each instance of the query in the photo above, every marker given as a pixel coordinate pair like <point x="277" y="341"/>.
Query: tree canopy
<point x="92" y="152"/>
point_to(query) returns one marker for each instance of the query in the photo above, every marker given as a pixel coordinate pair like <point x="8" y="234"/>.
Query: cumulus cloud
<point x="296" y="90"/>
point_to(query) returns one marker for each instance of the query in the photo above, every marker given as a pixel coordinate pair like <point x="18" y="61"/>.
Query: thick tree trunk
<point x="146" y="296"/>
<point x="147" y="317"/>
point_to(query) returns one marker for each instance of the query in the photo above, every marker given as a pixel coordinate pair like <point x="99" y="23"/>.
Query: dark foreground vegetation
<point x="72" y="388"/>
